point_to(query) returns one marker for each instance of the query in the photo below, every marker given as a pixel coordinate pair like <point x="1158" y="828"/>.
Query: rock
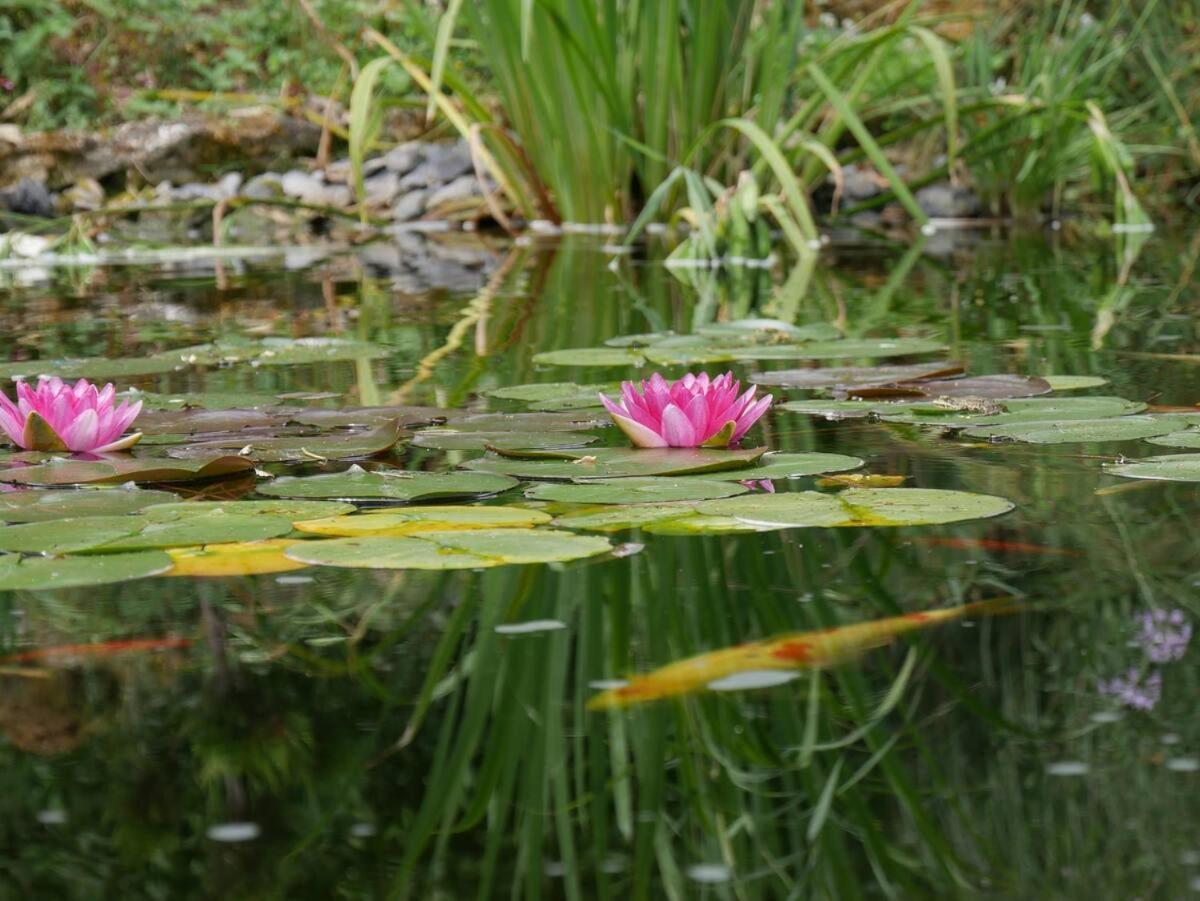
<point x="945" y="201"/>
<point x="861" y="183"/>
<point x="411" y="205"/>
<point x="311" y="189"/>
<point x="403" y="159"/>
<point x="85" y="194"/>
<point x="29" y="198"/>
<point x="342" y="171"/>
<point x="462" y="188"/>
<point x="229" y="184"/>
<point x="381" y="189"/>
<point x="443" y="163"/>
<point x="267" y="186"/>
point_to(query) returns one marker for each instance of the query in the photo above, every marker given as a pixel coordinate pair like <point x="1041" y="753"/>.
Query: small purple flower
<point x="758" y="485"/>
<point x="1163" y="635"/>
<point x="1133" y="690"/>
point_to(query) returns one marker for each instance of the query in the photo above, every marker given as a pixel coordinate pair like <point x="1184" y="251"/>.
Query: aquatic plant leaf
<point x="450" y="550"/>
<point x="779" y="465"/>
<point x="590" y="356"/>
<point x="39" y="505"/>
<point x="771" y="329"/>
<point x="1029" y="409"/>
<point x="1075" y="431"/>
<point x="291" y="510"/>
<point x="330" y="446"/>
<point x="622" y="516"/>
<point x="252" y="558"/>
<point x="634" y="490"/>
<point x="208" y="400"/>
<point x="197" y="421"/>
<point x="841" y="376"/>
<point x="847" y="347"/>
<point x="543" y="391"/>
<point x="645" y="339"/>
<point x="452" y="439"/>
<point x="1189" y="438"/>
<point x="370" y="417"/>
<point x="389" y="484"/>
<point x="414" y="520"/>
<point x="588" y="402"/>
<point x="67" y="536"/>
<point x="1165" y="467"/>
<point x="697" y="353"/>
<point x="859" y="507"/>
<point x="295" y="351"/>
<point x="527" y="422"/>
<point x="617" y="462"/>
<point x="986" y="386"/>
<point x="119" y="468"/>
<point x="1074" y="382"/>
<point x="703" y="524"/>
<point x="97" y="368"/>
<point x="861" y="480"/>
<point x="50" y="573"/>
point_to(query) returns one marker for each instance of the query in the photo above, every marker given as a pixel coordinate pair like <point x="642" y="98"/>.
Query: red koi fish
<point x="103" y="649"/>
<point x="798" y="651"/>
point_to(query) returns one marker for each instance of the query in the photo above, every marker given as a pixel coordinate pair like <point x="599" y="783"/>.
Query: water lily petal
<point x="638" y="433"/>
<point x="677" y="429"/>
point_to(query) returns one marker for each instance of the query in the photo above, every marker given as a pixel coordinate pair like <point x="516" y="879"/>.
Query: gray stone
<point x="462" y="188"/>
<point x="443" y="163"/>
<point x="410" y="206"/>
<point x="861" y="183"/>
<point x="311" y="189"/>
<point x="342" y="171"/>
<point x="229" y="184"/>
<point x="945" y="201"/>
<point x="405" y="158"/>
<point x="29" y="198"/>
<point x="195" y="191"/>
<point x="267" y="186"/>
<point x="381" y="189"/>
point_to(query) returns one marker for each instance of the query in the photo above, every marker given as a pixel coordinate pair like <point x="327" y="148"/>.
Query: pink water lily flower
<point x="56" y="416"/>
<point x="695" y="411"/>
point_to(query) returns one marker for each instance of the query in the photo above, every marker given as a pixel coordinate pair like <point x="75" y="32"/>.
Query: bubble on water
<point x="234" y="832"/>
<point x="1106" y="716"/>
<point x="709" y="873"/>
<point x="615" y="864"/>
<point x="1169" y="738"/>
<point x="52" y="816"/>
<point x="293" y="580"/>
<point x="554" y="869"/>
<point x="606" y="684"/>
<point x="362" y="830"/>
<point x="753" y="678"/>
<point x="530" y="626"/>
<point x="1194" y="885"/>
<point x="1189" y="858"/>
<point x="1067" y="768"/>
<point x="1183" y="764"/>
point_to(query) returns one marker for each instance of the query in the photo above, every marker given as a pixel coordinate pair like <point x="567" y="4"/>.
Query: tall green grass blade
<point x="365" y="119"/>
<point x="946" y="84"/>
<point x="441" y="49"/>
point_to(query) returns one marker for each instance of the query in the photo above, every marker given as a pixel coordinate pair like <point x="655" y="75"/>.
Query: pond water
<point x="326" y="732"/>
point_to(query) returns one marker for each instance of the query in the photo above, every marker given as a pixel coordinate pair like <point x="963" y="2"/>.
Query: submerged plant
<point x="55" y="416"/>
<point x="695" y="411"/>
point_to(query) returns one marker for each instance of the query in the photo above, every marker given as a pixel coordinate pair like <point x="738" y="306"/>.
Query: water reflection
<point x="392" y="708"/>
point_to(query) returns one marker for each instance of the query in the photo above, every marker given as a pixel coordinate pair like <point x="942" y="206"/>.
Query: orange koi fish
<point x="797" y="651"/>
<point x="103" y="649"/>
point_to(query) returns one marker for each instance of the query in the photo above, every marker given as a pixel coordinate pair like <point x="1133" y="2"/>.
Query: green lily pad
<point x="208" y="400"/>
<point x="48" y="573"/>
<point x="452" y="439"/>
<point x="297" y="351"/>
<point x="1074" y="382"/>
<point x="67" y="536"/>
<point x="1189" y="438"/>
<point x="792" y="466"/>
<point x="623" y="516"/>
<point x="138" y="532"/>
<point x="847" y="347"/>
<point x="450" y="550"/>
<point x="550" y="390"/>
<point x="39" y="505"/>
<point x="331" y="446"/>
<point x="771" y="328"/>
<point x="527" y="422"/>
<point x="123" y="468"/>
<point x="645" y="339"/>
<point x="617" y="462"/>
<point x="858" y="507"/>
<point x="97" y="368"/>
<point x="197" y="421"/>
<point x="1029" y="409"/>
<point x="695" y="352"/>
<point x="370" y="417"/>
<point x="1167" y="467"/>
<point x="390" y="484"/>
<point x="701" y="524"/>
<point x="1075" y="431"/>
<point x="840" y="409"/>
<point x="414" y="520"/>
<point x="590" y="356"/>
<point x="841" y="376"/>
<point x="634" y="490"/>
<point x="997" y="387"/>
<point x="291" y="510"/>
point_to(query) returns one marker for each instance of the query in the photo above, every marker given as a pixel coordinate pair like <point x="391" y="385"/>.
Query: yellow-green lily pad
<point x="388" y="484"/>
<point x="413" y="520"/>
<point x="49" y="573"/>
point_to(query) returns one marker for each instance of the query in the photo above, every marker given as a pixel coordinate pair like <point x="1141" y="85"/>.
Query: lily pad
<point x="841" y="409"/>
<point x="1030" y="409"/>
<point x="414" y="520"/>
<point x="123" y="468"/>
<point x="452" y="439"/>
<point x="859" y="507"/>
<point x="624" y="516"/>
<point x="634" y="490"/>
<point x="253" y="558"/>
<point x="66" y="536"/>
<point x="1189" y="438"/>
<point x="1074" y="382"/>
<point x="1075" y="431"/>
<point x="48" y="573"/>
<point x="1167" y="467"/>
<point x="645" y="339"/>
<point x="693" y="353"/>
<point x="197" y="422"/>
<point x="590" y="356"/>
<point x="847" y="347"/>
<point x="701" y="524"/>
<point x="450" y="550"/>
<point x="987" y="386"/>
<point x="370" y="417"/>
<point x="526" y="422"/>
<point x="618" y="462"/>
<point x="772" y="328"/>
<point x="136" y="532"/>
<point x="333" y="446"/>
<point x="841" y="376"/>
<point x="792" y="466"/>
<point x="390" y="484"/>
<point x="39" y="505"/>
<point x="292" y="511"/>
